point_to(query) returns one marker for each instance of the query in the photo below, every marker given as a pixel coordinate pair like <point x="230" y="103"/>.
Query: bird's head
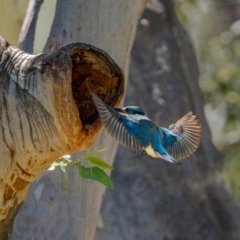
<point x="131" y="110"/>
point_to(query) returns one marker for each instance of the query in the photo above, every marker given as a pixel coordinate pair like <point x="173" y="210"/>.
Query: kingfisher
<point x="133" y="129"/>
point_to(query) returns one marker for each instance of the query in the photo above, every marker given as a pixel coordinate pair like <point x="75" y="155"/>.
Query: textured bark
<point x="46" y="111"/>
<point x="154" y="199"/>
<point x="49" y="211"/>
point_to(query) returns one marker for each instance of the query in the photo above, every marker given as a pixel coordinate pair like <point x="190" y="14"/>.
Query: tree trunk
<point x="46" y="111"/>
<point x="154" y="199"/>
<point x="49" y="211"/>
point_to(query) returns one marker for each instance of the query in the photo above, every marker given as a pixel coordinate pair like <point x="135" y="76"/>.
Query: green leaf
<point x="100" y="150"/>
<point x="96" y="174"/>
<point x="65" y="162"/>
<point x="66" y="183"/>
<point x="98" y="162"/>
<point x="56" y="164"/>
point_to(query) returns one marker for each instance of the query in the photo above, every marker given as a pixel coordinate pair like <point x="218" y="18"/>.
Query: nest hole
<point x="91" y="71"/>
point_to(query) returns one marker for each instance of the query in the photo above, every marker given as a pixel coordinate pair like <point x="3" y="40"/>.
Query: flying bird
<point x="131" y="128"/>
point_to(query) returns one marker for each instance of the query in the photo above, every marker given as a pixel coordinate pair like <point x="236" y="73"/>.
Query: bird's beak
<point x="120" y="110"/>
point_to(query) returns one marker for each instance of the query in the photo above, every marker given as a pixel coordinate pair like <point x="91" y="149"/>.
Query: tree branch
<point x="27" y="34"/>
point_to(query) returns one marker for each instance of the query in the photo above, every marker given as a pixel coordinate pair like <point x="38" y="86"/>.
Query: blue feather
<point x="168" y="137"/>
<point x="130" y="127"/>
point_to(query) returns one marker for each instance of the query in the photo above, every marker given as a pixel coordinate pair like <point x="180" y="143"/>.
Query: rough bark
<point x="109" y="25"/>
<point x="46" y="111"/>
<point x="154" y="199"/>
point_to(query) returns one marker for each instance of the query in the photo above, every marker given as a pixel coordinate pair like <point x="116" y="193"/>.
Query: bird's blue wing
<point x="168" y="137"/>
<point x="123" y="130"/>
<point x="183" y="137"/>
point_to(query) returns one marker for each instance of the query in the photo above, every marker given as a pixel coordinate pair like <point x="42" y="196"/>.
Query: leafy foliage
<point x="231" y="170"/>
<point x="219" y="55"/>
<point x="220" y="80"/>
<point x="94" y="173"/>
<point x="98" y="162"/>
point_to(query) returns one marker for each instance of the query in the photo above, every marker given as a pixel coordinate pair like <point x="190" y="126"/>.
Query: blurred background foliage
<point x="214" y="26"/>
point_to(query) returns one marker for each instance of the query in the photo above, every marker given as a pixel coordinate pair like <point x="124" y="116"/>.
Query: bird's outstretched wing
<point x="183" y="137"/>
<point x="124" y="132"/>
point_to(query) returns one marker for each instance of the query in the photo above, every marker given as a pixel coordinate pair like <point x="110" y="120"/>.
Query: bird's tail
<point x="171" y="159"/>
